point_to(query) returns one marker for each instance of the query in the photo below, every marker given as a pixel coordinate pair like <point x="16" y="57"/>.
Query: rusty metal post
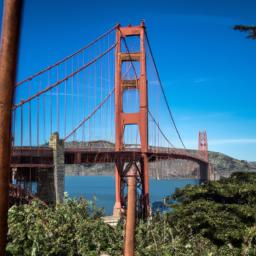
<point x="129" y="244"/>
<point x="8" y="60"/>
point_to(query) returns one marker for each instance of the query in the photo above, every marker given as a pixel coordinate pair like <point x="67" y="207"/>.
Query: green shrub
<point x="214" y="219"/>
<point x="71" y="228"/>
<point x="220" y="211"/>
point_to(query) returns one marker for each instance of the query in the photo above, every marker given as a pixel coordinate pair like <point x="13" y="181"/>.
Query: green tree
<point x="223" y="212"/>
<point x="251" y="30"/>
<point x="216" y="218"/>
<point x="69" y="229"/>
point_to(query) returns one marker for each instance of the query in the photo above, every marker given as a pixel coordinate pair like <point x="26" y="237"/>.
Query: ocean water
<point x="103" y="188"/>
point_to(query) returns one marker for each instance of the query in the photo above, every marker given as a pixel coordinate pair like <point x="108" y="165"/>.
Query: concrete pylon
<point x="59" y="166"/>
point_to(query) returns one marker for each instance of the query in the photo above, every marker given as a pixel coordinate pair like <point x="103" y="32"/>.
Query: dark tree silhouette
<point x="251" y="30"/>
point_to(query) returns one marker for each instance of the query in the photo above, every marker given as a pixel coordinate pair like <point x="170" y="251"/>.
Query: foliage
<point x="216" y="218"/>
<point x="224" y="212"/>
<point x="71" y="228"/>
<point x="250" y="29"/>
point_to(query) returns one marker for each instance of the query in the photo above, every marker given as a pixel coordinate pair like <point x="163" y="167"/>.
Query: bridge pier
<point x="59" y="167"/>
<point x="50" y="181"/>
<point x="121" y="175"/>
<point x="211" y="173"/>
<point x="43" y="166"/>
<point x="203" y="172"/>
<point x="45" y="186"/>
<point x="145" y="185"/>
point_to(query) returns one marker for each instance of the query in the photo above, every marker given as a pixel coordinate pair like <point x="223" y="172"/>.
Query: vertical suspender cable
<point x="37" y="121"/>
<point x="30" y="124"/>
<point x="83" y="95"/>
<point x="57" y="102"/>
<point x="49" y="79"/>
<point x="44" y="118"/>
<point x="165" y="98"/>
<point x="65" y="102"/>
<point x="95" y="88"/>
<point x="21" y="127"/>
<point x="72" y="95"/>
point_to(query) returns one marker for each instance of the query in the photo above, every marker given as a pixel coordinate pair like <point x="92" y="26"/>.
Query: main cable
<point x="161" y="131"/>
<point x="128" y="51"/>
<point x="165" y="98"/>
<point x="66" y="58"/>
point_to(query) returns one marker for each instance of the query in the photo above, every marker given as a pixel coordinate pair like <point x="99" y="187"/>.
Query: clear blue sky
<point x="208" y="70"/>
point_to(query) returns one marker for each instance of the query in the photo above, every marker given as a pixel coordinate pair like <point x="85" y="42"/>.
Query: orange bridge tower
<point x="203" y="150"/>
<point x="123" y="119"/>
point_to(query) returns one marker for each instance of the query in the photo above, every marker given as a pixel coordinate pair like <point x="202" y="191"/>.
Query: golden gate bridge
<point x="103" y="103"/>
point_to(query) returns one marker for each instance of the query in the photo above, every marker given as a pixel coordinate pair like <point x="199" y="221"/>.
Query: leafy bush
<point x="216" y="218"/>
<point x="221" y="211"/>
<point x="71" y="228"/>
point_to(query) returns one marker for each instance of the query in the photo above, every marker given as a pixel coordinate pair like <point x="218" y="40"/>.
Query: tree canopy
<point x="251" y="30"/>
<point x="216" y="218"/>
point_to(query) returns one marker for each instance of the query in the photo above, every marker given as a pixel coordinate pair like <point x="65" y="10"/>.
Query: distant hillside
<point x="94" y="144"/>
<point x="223" y="165"/>
<point x="253" y="164"/>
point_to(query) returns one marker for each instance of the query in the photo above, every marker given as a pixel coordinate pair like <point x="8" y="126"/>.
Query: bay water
<point x="103" y="188"/>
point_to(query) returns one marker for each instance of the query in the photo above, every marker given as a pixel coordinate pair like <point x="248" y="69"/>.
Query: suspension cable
<point x="66" y="58"/>
<point x="127" y="48"/>
<point x="165" y="98"/>
<point x="22" y="102"/>
<point x="90" y="115"/>
<point x="161" y="131"/>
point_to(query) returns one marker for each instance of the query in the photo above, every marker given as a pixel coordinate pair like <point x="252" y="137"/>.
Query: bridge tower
<point x="203" y="144"/>
<point x="203" y="150"/>
<point x="139" y="118"/>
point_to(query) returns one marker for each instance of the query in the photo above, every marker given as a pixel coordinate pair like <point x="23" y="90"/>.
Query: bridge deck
<point x="42" y="157"/>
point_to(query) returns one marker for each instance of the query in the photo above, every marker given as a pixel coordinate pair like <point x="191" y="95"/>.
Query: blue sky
<point x="207" y="69"/>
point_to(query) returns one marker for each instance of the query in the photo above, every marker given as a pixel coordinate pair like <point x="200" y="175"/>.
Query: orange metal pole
<point x="129" y="244"/>
<point x="8" y="60"/>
